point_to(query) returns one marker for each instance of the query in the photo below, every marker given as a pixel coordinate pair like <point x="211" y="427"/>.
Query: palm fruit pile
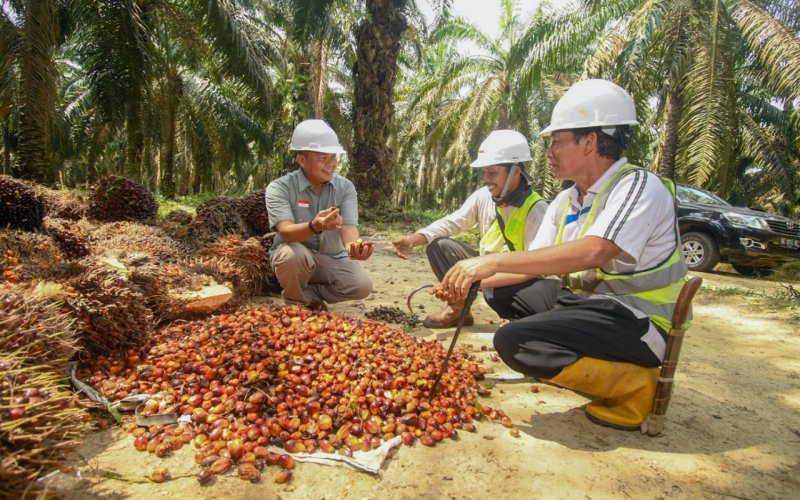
<point x="286" y="377"/>
<point x="115" y="198"/>
<point x="20" y="208"/>
<point x="253" y="208"/>
<point x="39" y="423"/>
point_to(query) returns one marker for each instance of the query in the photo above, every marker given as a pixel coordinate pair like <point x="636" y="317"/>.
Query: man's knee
<point x="293" y="256"/>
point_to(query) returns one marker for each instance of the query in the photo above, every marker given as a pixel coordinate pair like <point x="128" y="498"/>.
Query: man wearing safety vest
<point x="613" y="239"/>
<point x="506" y="210"/>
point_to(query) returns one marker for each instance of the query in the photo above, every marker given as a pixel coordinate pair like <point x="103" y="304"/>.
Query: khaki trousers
<point x="307" y="276"/>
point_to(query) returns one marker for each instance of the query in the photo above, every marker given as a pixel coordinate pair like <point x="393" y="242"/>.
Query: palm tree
<point x="29" y="32"/>
<point x="378" y="38"/>
<point x="453" y="102"/>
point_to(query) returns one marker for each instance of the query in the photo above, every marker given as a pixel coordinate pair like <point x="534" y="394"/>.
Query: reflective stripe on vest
<point x="514" y="232"/>
<point x="652" y="291"/>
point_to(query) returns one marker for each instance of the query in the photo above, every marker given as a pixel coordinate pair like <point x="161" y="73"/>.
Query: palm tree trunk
<point x="133" y="153"/>
<point x="669" y="138"/>
<point x="170" y="139"/>
<point x="374" y="73"/>
<point x="37" y="91"/>
<point x="317" y="85"/>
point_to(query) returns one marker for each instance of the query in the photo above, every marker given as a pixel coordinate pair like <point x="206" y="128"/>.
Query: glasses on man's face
<point x="554" y="143"/>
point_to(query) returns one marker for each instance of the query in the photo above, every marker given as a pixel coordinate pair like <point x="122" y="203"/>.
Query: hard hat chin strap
<point x="507" y="184"/>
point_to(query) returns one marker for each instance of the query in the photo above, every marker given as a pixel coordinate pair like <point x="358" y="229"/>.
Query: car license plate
<point x="790" y="243"/>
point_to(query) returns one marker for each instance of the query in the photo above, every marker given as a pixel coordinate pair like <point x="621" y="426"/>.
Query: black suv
<point x="752" y="241"/>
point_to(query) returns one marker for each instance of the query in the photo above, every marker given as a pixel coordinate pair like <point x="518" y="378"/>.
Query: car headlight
<point x="746" y="220"/>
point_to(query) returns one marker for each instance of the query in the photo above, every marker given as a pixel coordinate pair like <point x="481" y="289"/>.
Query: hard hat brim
<point x="548" y="130"/>
<point x="323" y="149"/>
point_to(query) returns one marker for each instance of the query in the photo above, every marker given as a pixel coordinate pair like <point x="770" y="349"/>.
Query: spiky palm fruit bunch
<point x="20" y="208"/>
<point x="72" y="237"/>
<point x="115" y="198"/>
<point x="170" y="288"/>
<point x="25" y="256"/>
<point x="176" y="223"/>
<point x="112" y="312"/>
<point x="248" y="255"/>
<point x="241" y="280"/>
<point x="61" y="204"/>
<point x="216" y="218"/>
<point x="40" y="423"/>
<point x="253" y="208"/>
<point x="134" y="238"/>
<point x="35" y="323"/>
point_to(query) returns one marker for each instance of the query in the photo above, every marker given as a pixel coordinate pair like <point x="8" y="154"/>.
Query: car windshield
<point x="688" y="194"/>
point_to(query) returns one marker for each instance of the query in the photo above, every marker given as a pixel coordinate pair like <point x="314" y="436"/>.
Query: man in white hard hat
<point x="507" y="212"/>
<point x="613" y="239"/>
<point x="315" y="215"/>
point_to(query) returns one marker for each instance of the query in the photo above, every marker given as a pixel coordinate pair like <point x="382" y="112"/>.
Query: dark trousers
<point x="542" y="344"/>
<point x="443" y="253"/>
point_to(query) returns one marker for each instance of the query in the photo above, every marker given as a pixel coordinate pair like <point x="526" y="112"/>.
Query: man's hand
<point x="402" y="247"/>
<point x="360" y="249"/>
<point x="330" y="218"/>
<point x="465" y="272"/>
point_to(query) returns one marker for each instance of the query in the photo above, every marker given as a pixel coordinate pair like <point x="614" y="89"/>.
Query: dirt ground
<point x="733" y="427"/>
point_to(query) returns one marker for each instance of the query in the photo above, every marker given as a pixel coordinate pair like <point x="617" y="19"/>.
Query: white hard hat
<point x="502" y="146"/>
<point x="315" y="135"/>
<point x="592" y="103"/>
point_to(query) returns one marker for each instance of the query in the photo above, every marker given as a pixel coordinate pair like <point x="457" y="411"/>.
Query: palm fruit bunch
<point x="243" y="263"/>
<point x="61" y="204"/>
<point x="25" y="256"/>
<point x="72" y="237"/>
<point x="34" y="323"/>
<point x="112" y="312"/>
<point x="253" y="208"/>
<point x="174" y="292"/>
<point x="290" y="378"/>
<point x="225" y="272"/>
<point x="115" y="198"/>
<point x="40" y="423"/>
<point x="216" y="218"/>
<point x="176" y="223"/>
<point x="20" y="208"/>
<point x="133" y="238"/>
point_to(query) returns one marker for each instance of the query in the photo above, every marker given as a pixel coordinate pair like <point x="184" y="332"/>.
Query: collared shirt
<point x="479" y="209"/>
<point x="639" y="217"/>
<point x="290" y="198"/>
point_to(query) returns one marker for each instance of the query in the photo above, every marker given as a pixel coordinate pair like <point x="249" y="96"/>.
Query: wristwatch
<point x="311" y="227"/>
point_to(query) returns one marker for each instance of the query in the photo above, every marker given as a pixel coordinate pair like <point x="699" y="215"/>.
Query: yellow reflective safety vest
<point x="511" y="232"/>
<point x="653" y="291"/>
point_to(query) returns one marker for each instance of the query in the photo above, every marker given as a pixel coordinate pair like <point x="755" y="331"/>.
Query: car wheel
<point x="699" y="251"/>
<point x="757" y="272"/>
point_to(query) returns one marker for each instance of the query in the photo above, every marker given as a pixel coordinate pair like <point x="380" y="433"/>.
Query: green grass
<point x="788" y="272"/>
<point x="188" y="203"/>
<point x="784" y="297"/>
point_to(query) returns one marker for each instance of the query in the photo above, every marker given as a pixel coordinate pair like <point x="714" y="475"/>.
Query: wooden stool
<point x="654" y="424"/>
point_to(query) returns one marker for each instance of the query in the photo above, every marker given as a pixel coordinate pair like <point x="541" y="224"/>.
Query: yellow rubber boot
<point x="625" y="390"/>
